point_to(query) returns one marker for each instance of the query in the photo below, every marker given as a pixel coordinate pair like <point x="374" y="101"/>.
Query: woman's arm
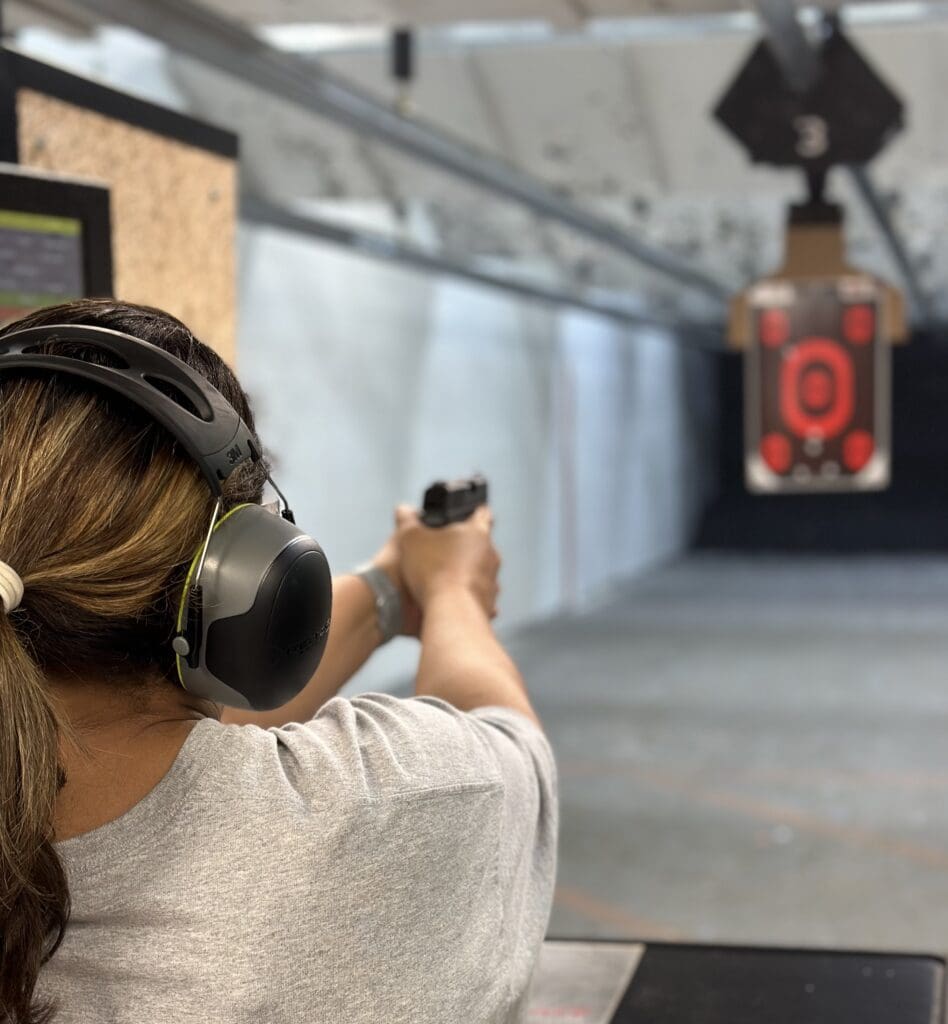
<point x="452" y="573"/>
<point x="462" y="660"/>
<point x="353" y="636"/>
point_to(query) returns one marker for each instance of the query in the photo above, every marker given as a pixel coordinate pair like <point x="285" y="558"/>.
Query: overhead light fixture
<point x="313" y="37"/>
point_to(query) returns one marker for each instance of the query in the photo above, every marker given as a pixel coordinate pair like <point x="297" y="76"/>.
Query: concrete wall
<point x="371" y="381"/>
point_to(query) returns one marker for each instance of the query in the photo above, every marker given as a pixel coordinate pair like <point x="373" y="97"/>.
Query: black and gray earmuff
<point x="254" y="615"/>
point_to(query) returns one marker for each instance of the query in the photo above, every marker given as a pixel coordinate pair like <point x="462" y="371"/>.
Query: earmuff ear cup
<point x="265" y="603"/>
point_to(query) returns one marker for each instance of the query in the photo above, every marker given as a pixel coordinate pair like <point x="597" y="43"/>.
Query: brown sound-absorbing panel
<point x="173" y="187"/>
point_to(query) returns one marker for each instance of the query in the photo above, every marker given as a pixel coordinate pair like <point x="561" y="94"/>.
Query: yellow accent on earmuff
<point x="182" y="608"/>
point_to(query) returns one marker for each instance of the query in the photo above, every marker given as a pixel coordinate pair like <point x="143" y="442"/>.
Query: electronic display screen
<point x="41" y="261"/>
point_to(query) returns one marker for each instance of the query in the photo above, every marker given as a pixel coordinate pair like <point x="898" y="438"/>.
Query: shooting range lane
<point x="752" y="751"/>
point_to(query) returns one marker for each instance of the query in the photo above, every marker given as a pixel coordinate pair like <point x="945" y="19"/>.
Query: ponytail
<point x="34" y="897"/>
<point x="101" y="514"/>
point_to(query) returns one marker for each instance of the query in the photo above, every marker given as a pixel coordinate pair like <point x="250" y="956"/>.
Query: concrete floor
<point x="754" y="751"/>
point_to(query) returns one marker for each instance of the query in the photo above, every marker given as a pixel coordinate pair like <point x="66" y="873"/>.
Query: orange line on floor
<point x="766" y="811"/>
<point x="571" y="897"/>
<point x="802" y="776"/>
<point x="930" y="856"/>
<point x="780" y="814"/>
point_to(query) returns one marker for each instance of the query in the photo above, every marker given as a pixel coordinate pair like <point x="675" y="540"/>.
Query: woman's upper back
<point x="391" y="860"/>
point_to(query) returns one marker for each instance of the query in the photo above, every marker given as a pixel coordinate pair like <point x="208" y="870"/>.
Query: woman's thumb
<point x="483" y="517"/>
<point x="405" y="515"/>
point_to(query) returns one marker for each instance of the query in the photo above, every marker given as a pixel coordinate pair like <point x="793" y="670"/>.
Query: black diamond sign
<point x="847" y="116"/>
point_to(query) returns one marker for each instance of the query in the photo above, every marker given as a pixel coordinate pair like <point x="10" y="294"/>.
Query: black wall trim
<point x="51" y="81"/>
<point x="52" y="196"/>
<point x="9" y="141"/>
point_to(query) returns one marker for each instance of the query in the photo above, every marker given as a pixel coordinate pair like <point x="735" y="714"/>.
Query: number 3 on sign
<point x="813" y="132"/>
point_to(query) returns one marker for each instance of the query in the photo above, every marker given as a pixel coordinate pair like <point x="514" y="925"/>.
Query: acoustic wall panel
<point x="174" y="190"/>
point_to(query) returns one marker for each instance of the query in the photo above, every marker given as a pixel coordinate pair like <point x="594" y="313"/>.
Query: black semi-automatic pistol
<point x="453" y="501"/>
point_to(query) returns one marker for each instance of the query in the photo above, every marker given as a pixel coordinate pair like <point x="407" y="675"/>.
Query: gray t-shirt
<point x="389" y="861"/>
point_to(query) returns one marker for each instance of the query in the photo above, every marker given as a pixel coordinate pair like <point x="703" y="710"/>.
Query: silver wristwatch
<point x="388" y="601"/>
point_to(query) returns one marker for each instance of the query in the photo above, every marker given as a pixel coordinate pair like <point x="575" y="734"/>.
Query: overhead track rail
<point x="226" y="44"/>
<point x="800" y="64"/>
<point x="312" y="39"/>
<point x="255" y="209"/>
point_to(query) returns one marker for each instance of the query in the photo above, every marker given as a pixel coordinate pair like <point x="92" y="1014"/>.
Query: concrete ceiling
<point x="624" y="128"/>
<point x="440" y="12"/>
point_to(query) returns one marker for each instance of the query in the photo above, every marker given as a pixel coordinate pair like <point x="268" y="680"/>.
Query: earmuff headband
<point x="199" y="417"/>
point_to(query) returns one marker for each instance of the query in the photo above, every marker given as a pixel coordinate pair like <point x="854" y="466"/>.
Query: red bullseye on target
<point x="775" y="450"/>
<point x="817" y="389"/>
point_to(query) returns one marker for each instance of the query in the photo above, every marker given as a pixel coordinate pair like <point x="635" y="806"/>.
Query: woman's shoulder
<point x="376" y="746"/>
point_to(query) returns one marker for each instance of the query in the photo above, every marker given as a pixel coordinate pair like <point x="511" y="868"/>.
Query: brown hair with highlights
<point x="100" y="514"/>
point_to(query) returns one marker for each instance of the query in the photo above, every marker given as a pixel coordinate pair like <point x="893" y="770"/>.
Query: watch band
<point x="388" y="601"/>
